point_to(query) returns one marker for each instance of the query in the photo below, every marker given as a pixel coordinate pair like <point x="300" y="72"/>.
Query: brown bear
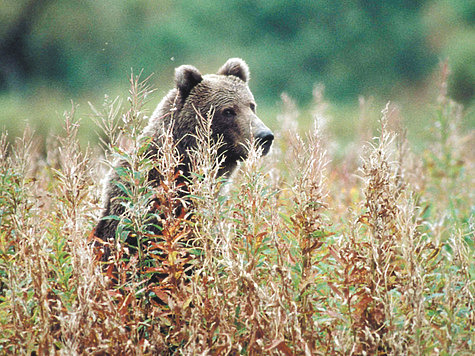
<point x="225" y="94"/>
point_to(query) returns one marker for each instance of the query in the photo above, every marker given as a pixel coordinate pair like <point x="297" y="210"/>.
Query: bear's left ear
<point x="186" y="78"/>
<point x="236" y="67"/>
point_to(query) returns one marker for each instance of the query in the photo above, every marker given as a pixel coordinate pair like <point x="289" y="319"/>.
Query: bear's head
<point x="227" y="95"/>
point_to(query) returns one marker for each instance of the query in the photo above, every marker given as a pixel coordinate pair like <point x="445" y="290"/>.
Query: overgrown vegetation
<point x="298" y="255"/>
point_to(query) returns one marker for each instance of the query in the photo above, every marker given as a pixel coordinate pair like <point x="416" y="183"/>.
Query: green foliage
<point x="352" y="47"/>
<point x="58" y="50"/>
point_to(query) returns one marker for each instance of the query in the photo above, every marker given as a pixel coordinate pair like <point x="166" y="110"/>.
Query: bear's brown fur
<point x="234" y="120"/>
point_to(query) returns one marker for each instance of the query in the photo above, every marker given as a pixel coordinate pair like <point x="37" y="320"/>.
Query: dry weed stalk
<point x="449" y="160"/>
<point x="310" y="228"/>
<point x="449" y="166"/>
<point x="81" y="320"/>
<point x="382" y="192"/>
<point x="372" y="268"/>
<point x="149" y="256"/>
<point x="248" y="259"/>
<point x="17" y="227"/>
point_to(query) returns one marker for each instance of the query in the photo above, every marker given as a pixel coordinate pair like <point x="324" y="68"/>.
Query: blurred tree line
<point x="353" y="47"/>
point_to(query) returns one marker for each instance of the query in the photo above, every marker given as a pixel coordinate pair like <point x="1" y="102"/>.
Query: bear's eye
<point x="229" y="113"/>
<point x="253" y="107"/>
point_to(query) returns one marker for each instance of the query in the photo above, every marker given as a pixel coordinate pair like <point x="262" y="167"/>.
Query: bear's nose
<point x="264" y="139"/>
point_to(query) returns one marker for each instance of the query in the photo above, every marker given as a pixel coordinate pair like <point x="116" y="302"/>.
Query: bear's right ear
<point x="186" y="78"/>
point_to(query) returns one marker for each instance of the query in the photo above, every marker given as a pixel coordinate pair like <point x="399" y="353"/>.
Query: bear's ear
<point x="186" y="78"/>
<point x="236" y="67"/>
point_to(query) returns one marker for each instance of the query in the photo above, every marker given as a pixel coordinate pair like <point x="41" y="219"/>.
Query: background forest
<point x="53" y="51"/>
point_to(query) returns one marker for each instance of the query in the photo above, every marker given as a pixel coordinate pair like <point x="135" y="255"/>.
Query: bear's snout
<point x="264" y="139"/>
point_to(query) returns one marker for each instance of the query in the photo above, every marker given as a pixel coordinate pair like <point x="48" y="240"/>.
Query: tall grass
<point x="298" y="255"/>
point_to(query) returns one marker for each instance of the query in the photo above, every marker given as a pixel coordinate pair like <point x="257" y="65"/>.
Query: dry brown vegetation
<point x="299" y="255"/>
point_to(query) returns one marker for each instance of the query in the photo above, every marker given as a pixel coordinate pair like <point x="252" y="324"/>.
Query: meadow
<point x="305" y="252"/>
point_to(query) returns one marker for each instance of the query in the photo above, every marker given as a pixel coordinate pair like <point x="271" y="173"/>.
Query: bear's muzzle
<point x="264" y="139"/>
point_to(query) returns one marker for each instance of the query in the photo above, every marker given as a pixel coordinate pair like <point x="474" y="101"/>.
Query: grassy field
<point x="303" y="253"/>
